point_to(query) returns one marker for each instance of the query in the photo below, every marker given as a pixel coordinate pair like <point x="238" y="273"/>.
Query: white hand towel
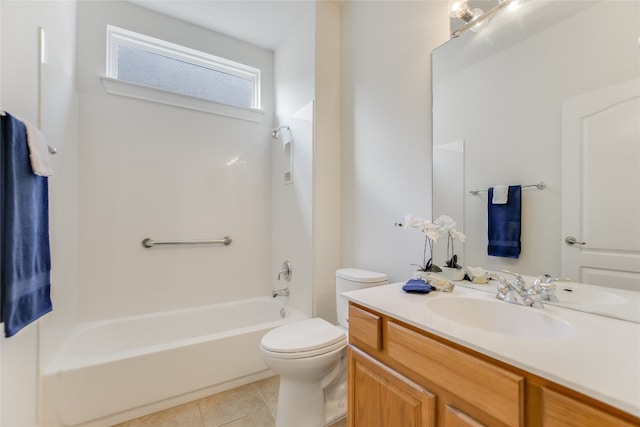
<point x="500" y="195"/>
<point x="38" y="151"/>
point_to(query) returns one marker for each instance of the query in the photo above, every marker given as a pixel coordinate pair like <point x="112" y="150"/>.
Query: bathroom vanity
<point x="485" y="362"/>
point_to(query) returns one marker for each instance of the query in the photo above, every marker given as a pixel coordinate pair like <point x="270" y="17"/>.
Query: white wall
<point x="151" y="170"/>
<point x="326" y="160"/>
<point x="386" y="129"/>
<point x="19" y="95"/>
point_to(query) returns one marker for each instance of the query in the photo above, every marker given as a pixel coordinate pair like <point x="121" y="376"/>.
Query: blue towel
<point x="505" y="225"/>
<point x="25" y="258"/>
<point x="417" y="286"/>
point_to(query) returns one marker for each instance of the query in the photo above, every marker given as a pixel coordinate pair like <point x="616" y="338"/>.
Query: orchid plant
<point x="448" y="226"/>
<point x="432" y="231"/>
<point x="431" y="234"/>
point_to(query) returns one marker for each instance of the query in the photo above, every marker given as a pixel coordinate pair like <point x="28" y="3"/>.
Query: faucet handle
<point x="503" y="288"/>
<point x="557" y="279"/>
<point x="548" y="282"/>
<point x="545" y="288"/>
<point x="285" y="272"/>
<point x="518" y="282"/>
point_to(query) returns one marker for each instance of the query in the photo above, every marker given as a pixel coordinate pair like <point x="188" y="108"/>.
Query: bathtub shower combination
<point x="110" y="367"/>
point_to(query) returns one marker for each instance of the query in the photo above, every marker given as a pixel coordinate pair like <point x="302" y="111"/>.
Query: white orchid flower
<point x="431" y="230"/>
<point x="408" y="221"/>
<point x="457" y="235"/>
<point x="445" y="222"/>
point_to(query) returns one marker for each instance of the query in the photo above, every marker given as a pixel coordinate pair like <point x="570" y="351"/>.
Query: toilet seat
<point x="306" y="338"/>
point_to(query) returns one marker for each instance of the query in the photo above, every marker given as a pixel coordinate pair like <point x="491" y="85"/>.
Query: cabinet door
<point x="559" y="410"/>
<point x="455" y="418"/>
<point x="381" y="397"/>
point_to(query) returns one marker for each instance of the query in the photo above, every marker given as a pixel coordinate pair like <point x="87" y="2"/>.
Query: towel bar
<point x="52" y="150"/>
<point x="540" y="186"/>
<point x="148" y="243"/>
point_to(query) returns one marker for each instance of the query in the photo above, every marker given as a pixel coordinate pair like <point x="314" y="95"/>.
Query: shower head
<point x="276" y="132"/>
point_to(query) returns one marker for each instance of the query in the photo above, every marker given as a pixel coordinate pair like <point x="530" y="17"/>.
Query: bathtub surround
<point x="186" y="190"/>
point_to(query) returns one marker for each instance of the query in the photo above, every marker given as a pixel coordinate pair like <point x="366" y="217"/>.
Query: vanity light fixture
<point x="475" y="19"/>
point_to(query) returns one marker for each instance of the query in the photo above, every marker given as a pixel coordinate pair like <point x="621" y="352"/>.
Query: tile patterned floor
<point x="251" y="405"/>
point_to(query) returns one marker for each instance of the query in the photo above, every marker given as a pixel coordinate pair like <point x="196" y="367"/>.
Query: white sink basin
<point x="569" y="294"/>
<point x="501" y="317"/>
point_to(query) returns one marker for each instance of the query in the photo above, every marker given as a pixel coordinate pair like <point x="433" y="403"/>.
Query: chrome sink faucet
<point x="516" y="292"/>
<point x="544" y="288"/>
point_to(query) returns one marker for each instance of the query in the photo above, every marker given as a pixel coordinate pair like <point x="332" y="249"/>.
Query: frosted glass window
<point x="154" y="63"/>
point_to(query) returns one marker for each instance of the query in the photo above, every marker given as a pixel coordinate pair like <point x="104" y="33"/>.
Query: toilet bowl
<point x="310" y="357"/>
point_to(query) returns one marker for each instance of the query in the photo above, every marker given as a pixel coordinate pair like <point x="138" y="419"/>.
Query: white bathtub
<point x="109" y="367"/>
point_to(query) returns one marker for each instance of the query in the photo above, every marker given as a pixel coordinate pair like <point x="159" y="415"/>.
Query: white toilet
<point x="310" y="357"/>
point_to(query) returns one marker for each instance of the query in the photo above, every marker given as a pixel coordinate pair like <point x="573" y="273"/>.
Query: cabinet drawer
<point x="493" y="390"/>
<point x="365" y="328"/>
<point x="563" y="411"/>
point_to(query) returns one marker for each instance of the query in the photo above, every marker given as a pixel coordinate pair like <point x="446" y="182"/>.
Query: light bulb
<point x="458" y="8"/>
<point x="513" y="5"/>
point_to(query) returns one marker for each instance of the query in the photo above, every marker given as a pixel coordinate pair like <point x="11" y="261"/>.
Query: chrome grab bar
<point x="148" y="243"/>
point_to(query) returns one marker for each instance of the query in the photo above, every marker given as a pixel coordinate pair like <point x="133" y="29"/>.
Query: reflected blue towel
<point x="505" y="225"/>
<point x="25" y="259"/>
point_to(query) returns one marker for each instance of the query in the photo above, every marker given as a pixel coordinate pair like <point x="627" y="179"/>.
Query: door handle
<point x="570" y="240"/>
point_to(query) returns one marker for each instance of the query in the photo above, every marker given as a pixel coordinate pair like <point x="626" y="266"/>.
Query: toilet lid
<point x="304" y="335"/>
<point x="361" y="276"/>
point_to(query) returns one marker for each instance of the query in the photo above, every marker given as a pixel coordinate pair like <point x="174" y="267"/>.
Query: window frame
<point x="117" y="36"/>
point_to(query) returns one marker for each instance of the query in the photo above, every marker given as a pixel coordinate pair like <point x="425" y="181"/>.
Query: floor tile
<point x="187" y="415"/>
<point x="340" y="423"/>
<point x="251" y="405"/>
<point x="231" y="405"/>
<point x="261" y="418"/>
<point x="268" y="389"/>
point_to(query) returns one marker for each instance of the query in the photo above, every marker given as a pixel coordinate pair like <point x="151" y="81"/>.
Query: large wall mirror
<point x="546" y="93"/>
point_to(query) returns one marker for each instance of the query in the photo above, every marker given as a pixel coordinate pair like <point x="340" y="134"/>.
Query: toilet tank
<point x="350" y="279"/>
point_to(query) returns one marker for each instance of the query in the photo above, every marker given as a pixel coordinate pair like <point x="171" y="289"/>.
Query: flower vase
<point x="431" y="270"/>
<point x="452" y="273"/>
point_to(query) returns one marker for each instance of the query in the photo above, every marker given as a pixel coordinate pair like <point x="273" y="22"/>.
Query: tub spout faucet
<point x="281" y="293"/>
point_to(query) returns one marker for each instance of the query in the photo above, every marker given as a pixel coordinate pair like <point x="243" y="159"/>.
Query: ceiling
<point x="263" y="23"/>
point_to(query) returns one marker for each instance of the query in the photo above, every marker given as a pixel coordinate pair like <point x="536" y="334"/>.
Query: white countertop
<point x="601" y="360"/>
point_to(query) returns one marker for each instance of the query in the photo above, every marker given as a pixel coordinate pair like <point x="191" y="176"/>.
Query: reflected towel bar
<point x="148" y="243"/>
<point x="539" y="186"/>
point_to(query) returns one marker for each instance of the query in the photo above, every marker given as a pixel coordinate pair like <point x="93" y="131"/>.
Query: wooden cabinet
<point x="402" y="376"/>
<point x="559" y="410"/>
<point x="455" y="418"/>
<point x="382" y="397"/>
